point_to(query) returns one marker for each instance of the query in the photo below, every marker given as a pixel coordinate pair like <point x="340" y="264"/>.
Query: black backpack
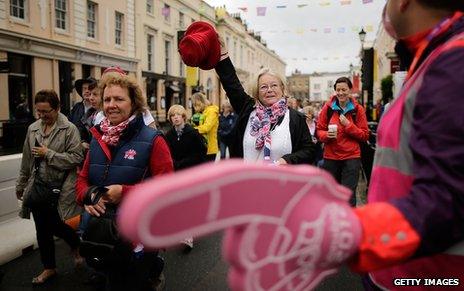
<point x="367" y="151"/>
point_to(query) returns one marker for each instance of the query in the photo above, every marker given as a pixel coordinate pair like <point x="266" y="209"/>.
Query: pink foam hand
<point x="287" y="227"/>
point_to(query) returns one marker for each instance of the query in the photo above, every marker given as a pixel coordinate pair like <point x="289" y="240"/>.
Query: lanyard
<point x="439" y="29"/>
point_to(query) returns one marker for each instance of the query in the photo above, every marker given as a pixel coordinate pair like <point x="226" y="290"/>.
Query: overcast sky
<point x="311" y="35"/>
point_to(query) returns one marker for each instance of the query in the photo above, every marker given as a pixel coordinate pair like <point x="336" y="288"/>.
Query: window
<point x="181" y="69"/>
<point x="118" y="26"/>
<point x="317" y="96"/>
<point x="150" y="51"/>
<point x="330" y="84"/>
<point x="17" y="8"/>
<point x="181" y="20"/>
<point x="91" y="19"/>
<point x="150" y="6"/>
<point x="60" y="14"/>
<point x="166" y="12"/>
<point x="167" y="53"/>
<point x="317" y="86"/>
<point x="241" y="56"/>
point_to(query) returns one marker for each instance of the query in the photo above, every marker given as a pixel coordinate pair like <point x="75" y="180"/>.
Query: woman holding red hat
<point x="266" y="128"/>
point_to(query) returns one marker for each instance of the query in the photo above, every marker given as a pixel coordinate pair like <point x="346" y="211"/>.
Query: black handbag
<point x="43" y="194"/>
<point x="101" y="234"/>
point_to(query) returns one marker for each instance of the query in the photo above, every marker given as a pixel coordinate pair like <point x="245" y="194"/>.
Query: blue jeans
<point x="222" y="148"/>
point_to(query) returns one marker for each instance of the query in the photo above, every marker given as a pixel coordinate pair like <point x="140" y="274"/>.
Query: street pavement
<point x="202" y="269"/>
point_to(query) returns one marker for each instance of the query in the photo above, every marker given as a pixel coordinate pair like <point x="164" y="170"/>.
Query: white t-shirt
<point x="281" y="142"/>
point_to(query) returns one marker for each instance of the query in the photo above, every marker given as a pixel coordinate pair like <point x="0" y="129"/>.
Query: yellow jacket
<point x="209" y="128"/>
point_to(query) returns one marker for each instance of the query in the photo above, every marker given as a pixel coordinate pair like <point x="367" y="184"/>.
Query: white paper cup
<point x="333" y="128"/>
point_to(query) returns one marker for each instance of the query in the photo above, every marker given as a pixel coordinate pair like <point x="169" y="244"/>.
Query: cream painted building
<point x="385" y="59"/>
<point x="248" y="52"/>
<point x="161" y="70"/>
<point x="321" y="84"/>
<point x="298" y="85"/>
<point x="52" y="43"/>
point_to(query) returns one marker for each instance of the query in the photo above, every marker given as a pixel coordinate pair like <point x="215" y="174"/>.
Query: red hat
<point x="200" y="46"/>
<point x="115" y="69"/>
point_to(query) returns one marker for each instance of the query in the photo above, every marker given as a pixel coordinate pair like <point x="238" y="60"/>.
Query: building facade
<point x="50" y="44"/>
<point x="53" y="43"/>
<point x="299" y="85"/>
<point x="248" y="52"/>
<point x="321" y="84"/>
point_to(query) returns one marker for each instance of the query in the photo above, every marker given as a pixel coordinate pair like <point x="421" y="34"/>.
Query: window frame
<point x="119" y="28"/>
<point x="167" y="56"/>
<point x="61" y="11"/>
<point x="149" y="3"/>
<point x="92" y="21"/>
<point x="150" y="51"/>
<point x="19" y="9"/>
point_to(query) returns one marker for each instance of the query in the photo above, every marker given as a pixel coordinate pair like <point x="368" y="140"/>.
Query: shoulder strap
<point x="329" y="113"/>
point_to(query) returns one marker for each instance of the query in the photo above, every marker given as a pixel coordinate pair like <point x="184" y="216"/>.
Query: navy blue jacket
<point x="126" y="163"/>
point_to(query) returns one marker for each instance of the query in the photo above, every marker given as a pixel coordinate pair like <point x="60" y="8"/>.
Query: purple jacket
<point x="435" y="206"/>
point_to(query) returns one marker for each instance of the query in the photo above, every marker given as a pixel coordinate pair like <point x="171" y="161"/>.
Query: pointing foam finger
<point x="208" y="198"/>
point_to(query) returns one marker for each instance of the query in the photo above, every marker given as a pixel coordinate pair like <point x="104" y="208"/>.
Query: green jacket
<point x="64" y="154"/>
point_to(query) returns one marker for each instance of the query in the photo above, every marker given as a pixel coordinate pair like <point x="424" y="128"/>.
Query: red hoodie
<point x="346" y="145"/>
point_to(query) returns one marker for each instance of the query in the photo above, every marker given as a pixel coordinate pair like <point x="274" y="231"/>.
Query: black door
<point x="66" y="86"/>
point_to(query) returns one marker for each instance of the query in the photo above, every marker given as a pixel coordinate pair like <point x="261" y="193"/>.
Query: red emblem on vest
<point x="130" y="154"/>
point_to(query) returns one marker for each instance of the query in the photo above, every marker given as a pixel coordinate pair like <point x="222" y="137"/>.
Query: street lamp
<point x="362" y="36"/>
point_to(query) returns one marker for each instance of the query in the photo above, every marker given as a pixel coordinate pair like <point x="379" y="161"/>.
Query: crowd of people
<point x="88" y="162"/>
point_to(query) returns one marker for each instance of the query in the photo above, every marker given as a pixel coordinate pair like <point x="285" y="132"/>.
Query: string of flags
<point x="325" y="30"/>
<point x="325" y="58"/>
<point x="261" y="10"/>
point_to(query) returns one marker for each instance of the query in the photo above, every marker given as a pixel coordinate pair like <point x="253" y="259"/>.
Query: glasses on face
<point x="265" y="87"/>
<point x="42" y="112"/>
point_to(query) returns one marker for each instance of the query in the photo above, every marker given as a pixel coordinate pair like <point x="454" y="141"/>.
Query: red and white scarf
<point x="112" y="133"/>
<point x="264" y="121"/>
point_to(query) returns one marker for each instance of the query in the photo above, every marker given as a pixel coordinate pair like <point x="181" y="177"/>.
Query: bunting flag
<point x="327" y="30"/>
<point x="261" y="11"/>
<point x="244" y="9"/>
<point x="367" y="1"/>
<point x="281" y="6"/>
<point x="300" y="31"/>
<point x="341" y="30"/>
<point x="165" y="11"/>
<point x="345" y="2"/>
<point x="369" y="28"/>
<point x="324" y="3"/>
<point x="313" y="29"/>
<point x="301" y="5"/>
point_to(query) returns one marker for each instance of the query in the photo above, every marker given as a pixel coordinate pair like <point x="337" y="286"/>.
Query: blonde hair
<point x="139" y="103"/>
<point x="267" y="71"/>
<point x="199" y="102"/>
<point x="309" y="110"/>
<point x="177" y="109"/>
